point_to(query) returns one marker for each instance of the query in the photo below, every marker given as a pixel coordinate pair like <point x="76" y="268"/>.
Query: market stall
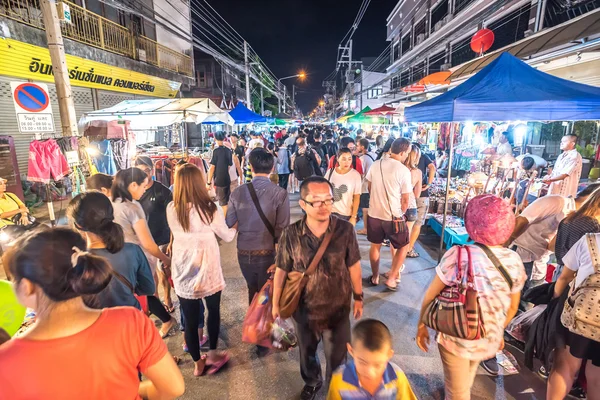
<point x="505" y="90"/>
<point x="165" y="117"/>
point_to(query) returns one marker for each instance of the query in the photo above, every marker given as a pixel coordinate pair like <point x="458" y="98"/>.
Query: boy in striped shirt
<point x="370" y="375"/>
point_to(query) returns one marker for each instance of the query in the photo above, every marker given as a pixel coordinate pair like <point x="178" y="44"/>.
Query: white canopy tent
<point x="151" y="114"/>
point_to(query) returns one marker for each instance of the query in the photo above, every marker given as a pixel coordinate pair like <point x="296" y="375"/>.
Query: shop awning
<point x="149" y="114"/>
<point x="242" y="115"/>
<point x="363" y="118"/>
<point x="344" y="117"/>
<point x="564" y="34"/>
<point x="379" y="111"/>
<point x="507" y="90"/>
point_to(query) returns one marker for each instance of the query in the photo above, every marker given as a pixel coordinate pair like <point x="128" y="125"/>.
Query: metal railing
<point x="95" y="30"/>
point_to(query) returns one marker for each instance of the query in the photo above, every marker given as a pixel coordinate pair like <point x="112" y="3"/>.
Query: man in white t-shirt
<point x="566" y="173"/>
<point x="535" y="228"/>
<point x="390" y="187"/>
<point x="367" y="158"/>
<point x="347" y="185"/>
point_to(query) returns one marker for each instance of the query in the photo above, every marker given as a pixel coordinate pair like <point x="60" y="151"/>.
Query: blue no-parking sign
<point x="32" y="105"/>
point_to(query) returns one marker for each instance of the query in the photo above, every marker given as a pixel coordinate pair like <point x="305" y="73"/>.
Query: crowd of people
<point x="92" y="284"/>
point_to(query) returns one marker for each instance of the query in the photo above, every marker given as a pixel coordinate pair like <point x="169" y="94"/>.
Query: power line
<point x="525" y="9"/>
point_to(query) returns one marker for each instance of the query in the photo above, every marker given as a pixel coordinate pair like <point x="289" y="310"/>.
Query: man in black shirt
<point x="154" y="201"/>
<point x="319" y="148"/>
<point x="238" y="146"/>
<point x="222" y="159"/>
<point x="330" y="148"/>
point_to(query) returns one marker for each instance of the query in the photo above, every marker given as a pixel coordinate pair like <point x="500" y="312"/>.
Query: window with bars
<point x="420" y="28"/>
<point x="396" y="51"/>
<point x="405" y="78"/>
<point x="438" y="13"/>
<point x="460" y="5"/>
<point x="375" y="92"/>
<point x="395" y="82"/>
<point x="461" y="51"/>
<point x="201" y="76"/>
<point x="436" y="61"/>
<point x="418" y="71"/>
<point x="510" y="28"/>
<point x="406" y="43"/>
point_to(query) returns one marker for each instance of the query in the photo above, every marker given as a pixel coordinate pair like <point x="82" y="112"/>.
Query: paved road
<point x="277" y="376"/>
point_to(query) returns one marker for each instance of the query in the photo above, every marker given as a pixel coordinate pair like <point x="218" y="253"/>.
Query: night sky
<point x="290" y="35"/>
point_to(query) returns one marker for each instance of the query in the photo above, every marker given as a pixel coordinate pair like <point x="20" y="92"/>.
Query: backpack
<point x="304" y="165"/>
<point x="320" y="151"/>
<point x="581" y="314"/>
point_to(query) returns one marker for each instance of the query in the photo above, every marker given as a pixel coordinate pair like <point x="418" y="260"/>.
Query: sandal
<point x="164" y="334"/>
<point x="386" y="275"/>
<point x="391" y="288"/>
<point x="371" y="280"/>
<point x="216" y="367"/>
<point x="170" y="309"/>
<point x="412" y="254"/>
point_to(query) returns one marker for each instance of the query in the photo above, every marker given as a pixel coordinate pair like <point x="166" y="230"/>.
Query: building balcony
<point x="94" y="30"/>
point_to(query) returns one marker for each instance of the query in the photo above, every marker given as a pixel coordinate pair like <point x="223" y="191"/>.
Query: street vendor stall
<point x="506" y="90"/>
<point x="164" y="115"/>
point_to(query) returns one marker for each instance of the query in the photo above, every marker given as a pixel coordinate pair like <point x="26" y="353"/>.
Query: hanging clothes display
<point x="121" y="153"/>
<point x="104" y="159"/>
<point x="46" y="161"/>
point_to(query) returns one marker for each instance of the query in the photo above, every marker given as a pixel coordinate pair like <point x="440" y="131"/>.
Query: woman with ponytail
<point x="128" y="187"/>
<point x="72" y="351"/>
<point x="92" y="215"/>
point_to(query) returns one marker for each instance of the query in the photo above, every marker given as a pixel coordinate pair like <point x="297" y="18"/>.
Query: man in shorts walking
<point x="390" y="187"/>
<point x="222" y="159"/>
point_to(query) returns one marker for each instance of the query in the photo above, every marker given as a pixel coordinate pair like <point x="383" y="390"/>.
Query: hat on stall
<point x="489" y="220"/>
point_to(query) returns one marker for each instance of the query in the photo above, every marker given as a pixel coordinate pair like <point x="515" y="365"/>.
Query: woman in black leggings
<point x="196" y="268"/>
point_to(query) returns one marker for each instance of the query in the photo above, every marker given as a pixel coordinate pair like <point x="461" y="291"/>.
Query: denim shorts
<point x="411" y="215"/>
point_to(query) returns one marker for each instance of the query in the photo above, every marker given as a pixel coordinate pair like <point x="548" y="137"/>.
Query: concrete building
<point x="129" y="49"/>
<point x="429" y="36"/>
<point x="217" y="81"/>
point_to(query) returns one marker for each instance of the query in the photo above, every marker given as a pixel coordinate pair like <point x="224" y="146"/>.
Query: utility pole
<point x="262" y="102"/>
<point x="284" y="97"/>
<point x="293" y="98"/>
<point x="54" y="37"/>
<point x="247" y="65"/>
<point x="278" y="96"/>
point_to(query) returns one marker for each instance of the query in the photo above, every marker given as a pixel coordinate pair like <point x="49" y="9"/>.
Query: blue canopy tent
<point x="242" y="115"/>
<point x="509" y="89"/>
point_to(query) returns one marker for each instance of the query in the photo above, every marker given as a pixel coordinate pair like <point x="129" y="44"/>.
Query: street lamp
<point x="301" y="75"/>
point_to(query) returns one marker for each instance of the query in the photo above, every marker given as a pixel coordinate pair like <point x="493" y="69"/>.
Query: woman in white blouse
<point x="581" y="261"/>
<point x="195" y="221"/>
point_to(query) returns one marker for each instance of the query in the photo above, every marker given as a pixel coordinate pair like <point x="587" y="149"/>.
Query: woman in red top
<point x="72" y="351"/>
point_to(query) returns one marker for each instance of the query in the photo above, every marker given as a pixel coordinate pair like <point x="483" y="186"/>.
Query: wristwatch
<point x="358" y="297"/>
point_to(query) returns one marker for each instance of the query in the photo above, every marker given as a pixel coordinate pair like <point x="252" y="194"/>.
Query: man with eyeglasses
<point x="323" y="312"/>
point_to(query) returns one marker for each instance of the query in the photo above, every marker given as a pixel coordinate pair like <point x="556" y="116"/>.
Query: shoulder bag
<point x="581" y="314"/>
<point x="261" y="214"/>
<point x="456" y="311"/>
<point x="398" y="224"/>
<point x="296" y="280"/>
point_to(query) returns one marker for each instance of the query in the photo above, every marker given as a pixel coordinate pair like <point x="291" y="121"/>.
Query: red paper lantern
<point x="482" y="40"/>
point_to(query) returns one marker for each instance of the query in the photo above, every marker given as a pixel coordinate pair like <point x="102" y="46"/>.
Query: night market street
<point x="277" y="376"/>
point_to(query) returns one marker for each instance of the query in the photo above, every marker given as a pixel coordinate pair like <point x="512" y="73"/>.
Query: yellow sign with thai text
<point x="23" y="60"/>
